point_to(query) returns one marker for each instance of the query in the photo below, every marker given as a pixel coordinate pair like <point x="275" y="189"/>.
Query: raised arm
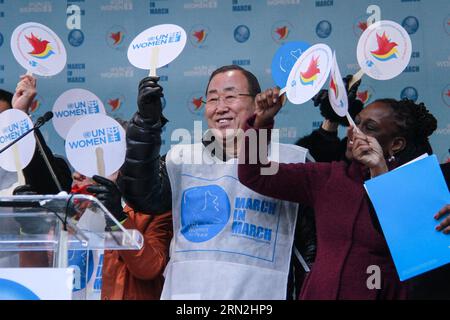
<point x="37" y="174"/>
<point x="293" y="182"/>
<point x="143" y="179"/>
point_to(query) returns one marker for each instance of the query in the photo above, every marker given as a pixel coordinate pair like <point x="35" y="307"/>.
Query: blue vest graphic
<point x="10" y="290"/>
<point x="204" y="212"/>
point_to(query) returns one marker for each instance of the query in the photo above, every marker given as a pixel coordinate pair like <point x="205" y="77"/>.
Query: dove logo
<point x="205" y="211"/>
<point x="115" y="102"/>
<point x="362" y="25"/>
<point x="115" y="37"/>
<point x="387" y="50"/>
<point x="195" y="103"/>
<point x="364" y="96"/>
<point x="282" y="32"/>
<point x="308" y="77"/>
<point x="198" y="35"/>
<point x="334" y="87"/>
<point x="41" y="48"/>
<point x="365" y="93"/>
<point x="11" y="290"/>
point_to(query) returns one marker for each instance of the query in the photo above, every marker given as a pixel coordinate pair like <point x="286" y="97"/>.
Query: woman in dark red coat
<point x="351" y="249"/>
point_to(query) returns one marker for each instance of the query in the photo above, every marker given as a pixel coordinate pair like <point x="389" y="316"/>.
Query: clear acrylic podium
<point x="58" y="223"/>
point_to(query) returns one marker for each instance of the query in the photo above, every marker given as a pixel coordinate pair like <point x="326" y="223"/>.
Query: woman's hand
<point x="368" y="151"/>
<point x="444" y="226"/>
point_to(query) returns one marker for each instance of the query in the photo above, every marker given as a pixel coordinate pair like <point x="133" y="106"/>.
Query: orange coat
<point x="137" y="274"/>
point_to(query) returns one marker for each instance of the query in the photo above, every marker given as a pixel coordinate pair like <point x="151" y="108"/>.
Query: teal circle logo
<point x="204" y="212"/>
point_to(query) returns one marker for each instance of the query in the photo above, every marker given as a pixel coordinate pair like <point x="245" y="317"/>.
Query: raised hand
<point x="267" y="105"/>
<point x="368" y="151"/>
<point x="25" y="93"/>
<point x="149" y="98"/>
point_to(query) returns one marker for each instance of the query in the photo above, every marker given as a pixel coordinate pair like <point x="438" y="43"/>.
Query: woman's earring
<point x="392" y="158"/>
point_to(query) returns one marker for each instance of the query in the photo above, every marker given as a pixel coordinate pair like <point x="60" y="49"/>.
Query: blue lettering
<point x="239" y="215"/>
<point x="239" y="203"/>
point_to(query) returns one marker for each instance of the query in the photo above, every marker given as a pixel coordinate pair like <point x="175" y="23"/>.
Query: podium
<point x="47" y="227"/>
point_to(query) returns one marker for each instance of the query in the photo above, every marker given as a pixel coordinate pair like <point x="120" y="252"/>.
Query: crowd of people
<point x="220" y="229"/>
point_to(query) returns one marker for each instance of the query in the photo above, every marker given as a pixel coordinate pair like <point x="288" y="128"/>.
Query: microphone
<point x="43" y="119"/>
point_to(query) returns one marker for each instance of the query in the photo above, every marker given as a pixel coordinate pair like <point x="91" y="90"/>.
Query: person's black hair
<point x="253" y="84"/>
<point x="6" y="96"/>
<point x="415" y="123"/>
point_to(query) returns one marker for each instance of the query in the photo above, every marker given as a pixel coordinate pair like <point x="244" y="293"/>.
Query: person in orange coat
<point x="137" y="275"/>
<point x="131" y="274"/>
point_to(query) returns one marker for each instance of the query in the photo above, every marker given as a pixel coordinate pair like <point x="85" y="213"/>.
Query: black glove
<point x="149" y="99"/>
<point x="30" y="225"/>
<point x="354" y="105"/>
<point x="109" y="194"/>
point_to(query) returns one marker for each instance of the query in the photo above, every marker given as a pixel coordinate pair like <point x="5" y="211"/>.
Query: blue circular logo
<point x="409" y="93"/>
<point x="241" y="33"/>
<point x="11" y="290"/>
<point x="284" y="59"/>
<point x="411" y="24"/>
<point x="204" y="212"/>
<point x="323" y="29"/>
<point x="1" y="39"/>
<point x="78" y="260"/>
<point x="76" y="38"/>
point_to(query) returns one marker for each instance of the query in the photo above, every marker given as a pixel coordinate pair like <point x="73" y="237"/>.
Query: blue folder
<point x="406" y="201"/>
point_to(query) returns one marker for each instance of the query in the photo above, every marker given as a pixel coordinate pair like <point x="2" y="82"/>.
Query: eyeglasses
<point x="229" y="99"/>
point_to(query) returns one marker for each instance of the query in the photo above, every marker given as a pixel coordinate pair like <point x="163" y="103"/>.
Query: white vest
<point x="229" y="242"/>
